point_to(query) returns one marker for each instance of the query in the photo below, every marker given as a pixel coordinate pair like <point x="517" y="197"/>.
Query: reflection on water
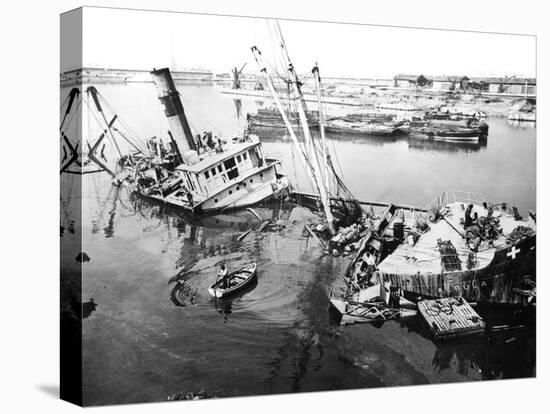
<point x="447" y="146"/>
<point x="84" y="308"/>
<point x="82" y="257"/>
<point x="159" y="332"/>
<point x="304" y="340"/>
<point x="522" y="124"/>
<point x="238" y="108"/>
<point x="488" y="356"/>
<point x="225" y="305"/>
<point x="107" y="209"/>
<point x="88" y="308"/>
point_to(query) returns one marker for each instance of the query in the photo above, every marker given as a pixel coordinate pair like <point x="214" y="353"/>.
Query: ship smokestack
<point x="173" y="109"/>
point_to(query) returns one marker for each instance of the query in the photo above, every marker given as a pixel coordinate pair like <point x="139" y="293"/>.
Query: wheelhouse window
<point x="231" y="168"/>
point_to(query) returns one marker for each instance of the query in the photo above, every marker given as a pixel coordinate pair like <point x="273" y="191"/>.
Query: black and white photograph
<point x="258" y="205"/>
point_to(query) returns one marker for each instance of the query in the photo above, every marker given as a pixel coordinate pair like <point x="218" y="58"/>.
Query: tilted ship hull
<point x="502" y="281"/>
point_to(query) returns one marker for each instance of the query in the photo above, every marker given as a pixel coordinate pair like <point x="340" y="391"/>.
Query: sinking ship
<point x="431" y="254"/>
<point x="198" y="174"/>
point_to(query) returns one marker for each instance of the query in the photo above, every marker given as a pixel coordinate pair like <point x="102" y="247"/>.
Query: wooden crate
<point x="451" y="317"/>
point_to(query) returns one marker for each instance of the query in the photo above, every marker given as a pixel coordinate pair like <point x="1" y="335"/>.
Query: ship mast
<point x="298" y="96"/>
<point x="303" y="157"/>
<point x="317" y="78"/>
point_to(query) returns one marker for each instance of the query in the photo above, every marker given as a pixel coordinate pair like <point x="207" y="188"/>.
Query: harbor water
<point x="152" y="330"/>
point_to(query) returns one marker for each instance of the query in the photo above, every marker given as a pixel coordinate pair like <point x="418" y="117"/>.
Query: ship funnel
<point x="173" y="109"/>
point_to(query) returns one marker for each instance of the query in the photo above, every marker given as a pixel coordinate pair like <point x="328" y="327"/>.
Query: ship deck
<point x="425" y="257"/>
<point x="209" y="158"/>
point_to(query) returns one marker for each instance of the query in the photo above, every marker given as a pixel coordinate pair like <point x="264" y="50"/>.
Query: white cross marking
<point x="512" y="252"/>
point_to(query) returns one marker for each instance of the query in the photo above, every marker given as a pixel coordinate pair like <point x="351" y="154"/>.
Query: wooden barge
<point x="267" y="118"/>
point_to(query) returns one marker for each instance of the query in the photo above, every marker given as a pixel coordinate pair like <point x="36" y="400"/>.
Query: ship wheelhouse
<point x="220" y="171"/>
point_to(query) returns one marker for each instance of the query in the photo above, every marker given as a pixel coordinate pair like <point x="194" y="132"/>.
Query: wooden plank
<point x="242" y="236"/>
<point x="323" y="246"/>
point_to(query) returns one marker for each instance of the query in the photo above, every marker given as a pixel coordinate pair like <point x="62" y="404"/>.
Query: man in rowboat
<point x="224" y="274"/>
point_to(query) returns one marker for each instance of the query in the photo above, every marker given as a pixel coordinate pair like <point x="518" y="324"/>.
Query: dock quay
<point x="451" y="317"/>
<point x="307" y="97"/>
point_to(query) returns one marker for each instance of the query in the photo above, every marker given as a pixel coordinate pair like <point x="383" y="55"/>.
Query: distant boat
<point x="444" y="132"/>
<point x="238" y="280"/>
<point x="365" y="117"/>
<point x="463" y="123"/>
<point x="398" y="107"/>
<point x="453" y="113"/>
<point x="457" y="134"/>
<point x="269" y="118"/>
<point x="362" y="128"/>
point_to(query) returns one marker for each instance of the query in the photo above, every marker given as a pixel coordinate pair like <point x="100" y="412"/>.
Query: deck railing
<point x="441" y="201"/>
<point x="466" y="197"/>
<point x="454" y="196"/>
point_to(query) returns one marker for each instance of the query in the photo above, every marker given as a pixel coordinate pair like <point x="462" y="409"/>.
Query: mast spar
<point x="303" y="158"/>
<point x="317" y="78"/>
<point x="298" y="96"/>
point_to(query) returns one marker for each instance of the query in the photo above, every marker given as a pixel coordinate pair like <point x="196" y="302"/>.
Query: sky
<point x="145" y="40"/>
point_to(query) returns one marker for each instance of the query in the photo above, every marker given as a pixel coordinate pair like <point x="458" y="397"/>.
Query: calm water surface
<point x="156" y="331"/>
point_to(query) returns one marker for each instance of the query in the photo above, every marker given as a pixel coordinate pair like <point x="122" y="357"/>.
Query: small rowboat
<point x="237" y="281"/>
